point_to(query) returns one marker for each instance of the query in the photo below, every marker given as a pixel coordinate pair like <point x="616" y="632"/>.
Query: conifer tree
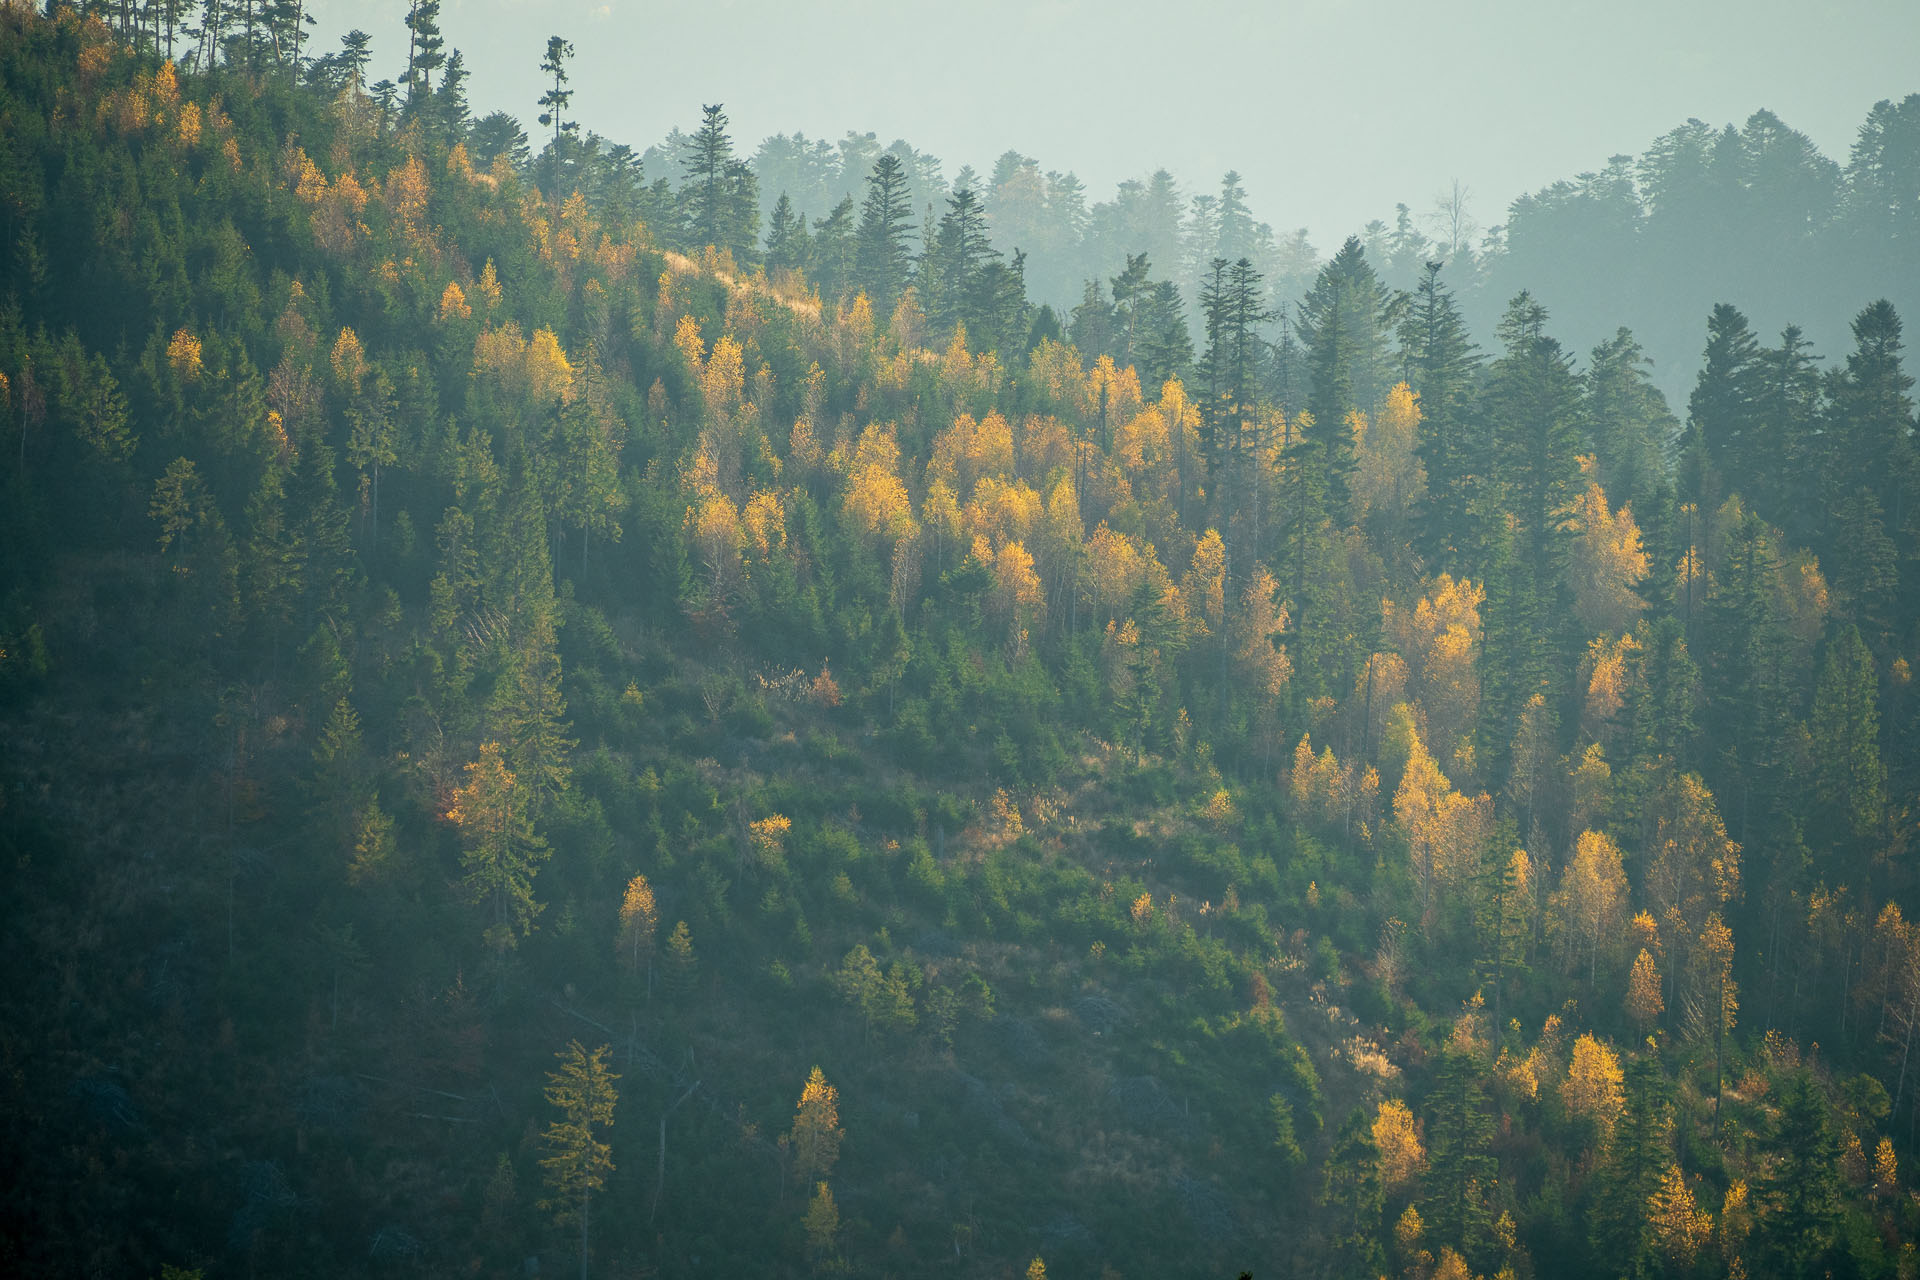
<point x="426" y="52"/>
<point x="816" y="1134"/>
<point x="1439" y="361"/>
<point x="503" y="853"/>
<point x="881" y="257"/>
<point x="577" y="1162"/>
<point x="1356" y="1199"/>
<point x="1723" y="407"/>
<point x="554" y="103"/>
<point x="1461" y="1169"/>
<point x="1802" y="1187"/>
<point x="1344" y="323"/>
<point x="1850" y="780"/>
<point x="1639" y="1156"/>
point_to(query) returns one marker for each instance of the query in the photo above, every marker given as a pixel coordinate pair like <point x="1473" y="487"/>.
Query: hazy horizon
<point x="1505" y="103"/>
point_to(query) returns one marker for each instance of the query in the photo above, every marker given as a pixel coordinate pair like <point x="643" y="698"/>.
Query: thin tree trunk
<point x="660" y="1168"/>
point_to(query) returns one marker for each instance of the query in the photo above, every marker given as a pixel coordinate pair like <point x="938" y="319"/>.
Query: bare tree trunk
<point x="660" y="1169"/>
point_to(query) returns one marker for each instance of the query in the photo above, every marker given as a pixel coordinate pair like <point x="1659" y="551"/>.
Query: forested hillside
<point x="546" y="723"/>
<point x="1753" y="214"/>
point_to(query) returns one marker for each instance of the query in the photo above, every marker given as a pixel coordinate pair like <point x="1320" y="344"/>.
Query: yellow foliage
<point x="1389" y="479"/>
<point x="1592" y="897"/>
<point x="311" y="186"/>
<point x="187" y="132"/>
<point x="1403" y="1157"/>
<point x="453" y="303"/>
<point x="1444" y="829"/>
<point x="1264" y="665"/>
<point x="768" y="837"/>
<point x="724" y="380"/>
<point x="1680" y="1229"/>
<point x="1607" y="563"/>
<point x="1593" y="1088"/>
<point x="639" y="917"/>
<point x="549" y="375"/>
<point x="1219" y="811"/>
<point x="1017" y="591"/>
<point x="716" y="532"/>
<point x="815" y="1137"/>
<point x="1007" y="822"/>
<point x="766" y="524"/>
<point x="1112" y="394"/>
<point x="1440" y="639"/>
<point x="1407" y="1234"/>
<point x="1204" y="586"/>
<point x="969" y="450"/>
<point x="1001" y="510"/>
<point x="1695" y="868"/>
<point x="183" y="353"/>
<point x="877" y="503"/>
<point x="686" y="336"/>
<point x="489" y="285"/>
<point x="1644" y="1002"/>
<point x="1142" y="910"/>
<point x="407" y="190"/>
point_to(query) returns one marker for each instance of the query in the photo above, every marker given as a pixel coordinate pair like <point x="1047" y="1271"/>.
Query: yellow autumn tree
<point x="1591" y="901"/>
<point x="1593" y="1090"/>
<point x="1680" y="1229"/>
<point x="767" y="837"/>
<point x="1203" y="586"/>
<point x="453" y="303"/>
<point x="1606" y="563"/>
<point x="502" y="851"/>
<point x="639" y="918"/>
<point x="1264" y="665"/>
<point x="876" y="502"/>
<point x="814" y="1140"/>
<point x="1693" y="870"/>
<point x="1609" y="669"/>
<point x="1444" y="830"/>
<point x="719" y="539"/>
<point x="184" y="354"/>
<point x="1017" y="594"/>
<point x="1389" y="480"/>
<point x="1644" y="1002"/>
<point x="1440" y="639"/>
<point x="348" y="360"/>
<point x="1403" y="1157"/>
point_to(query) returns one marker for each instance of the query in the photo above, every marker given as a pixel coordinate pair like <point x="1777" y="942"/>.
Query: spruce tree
<point x="1344" y="322"/>
<point x="577" y="1162"/>
<point x="1355" y="1199"/>
<point x="1439" y="361"/>
<point x="1461" y="1169"/>
<point x="1801" y="1188"/>
<point x="1641" y="1151"/>
<point x="1722" y="410"/>
<point x="554" y="103"/>
<point x="881" y="257"/>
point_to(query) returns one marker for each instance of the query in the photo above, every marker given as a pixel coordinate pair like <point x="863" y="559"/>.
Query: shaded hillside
<point x="455" y="618"/>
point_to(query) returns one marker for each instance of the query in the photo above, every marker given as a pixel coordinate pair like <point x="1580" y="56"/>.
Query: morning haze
<point x="1331" y="112"/>
<point x="592" y="685"/>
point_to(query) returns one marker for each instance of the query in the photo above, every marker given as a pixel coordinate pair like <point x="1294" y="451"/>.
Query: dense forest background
<point x="668" y="712"/>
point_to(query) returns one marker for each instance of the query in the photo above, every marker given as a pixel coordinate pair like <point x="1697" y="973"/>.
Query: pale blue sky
<point x="1332" y="111"/>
